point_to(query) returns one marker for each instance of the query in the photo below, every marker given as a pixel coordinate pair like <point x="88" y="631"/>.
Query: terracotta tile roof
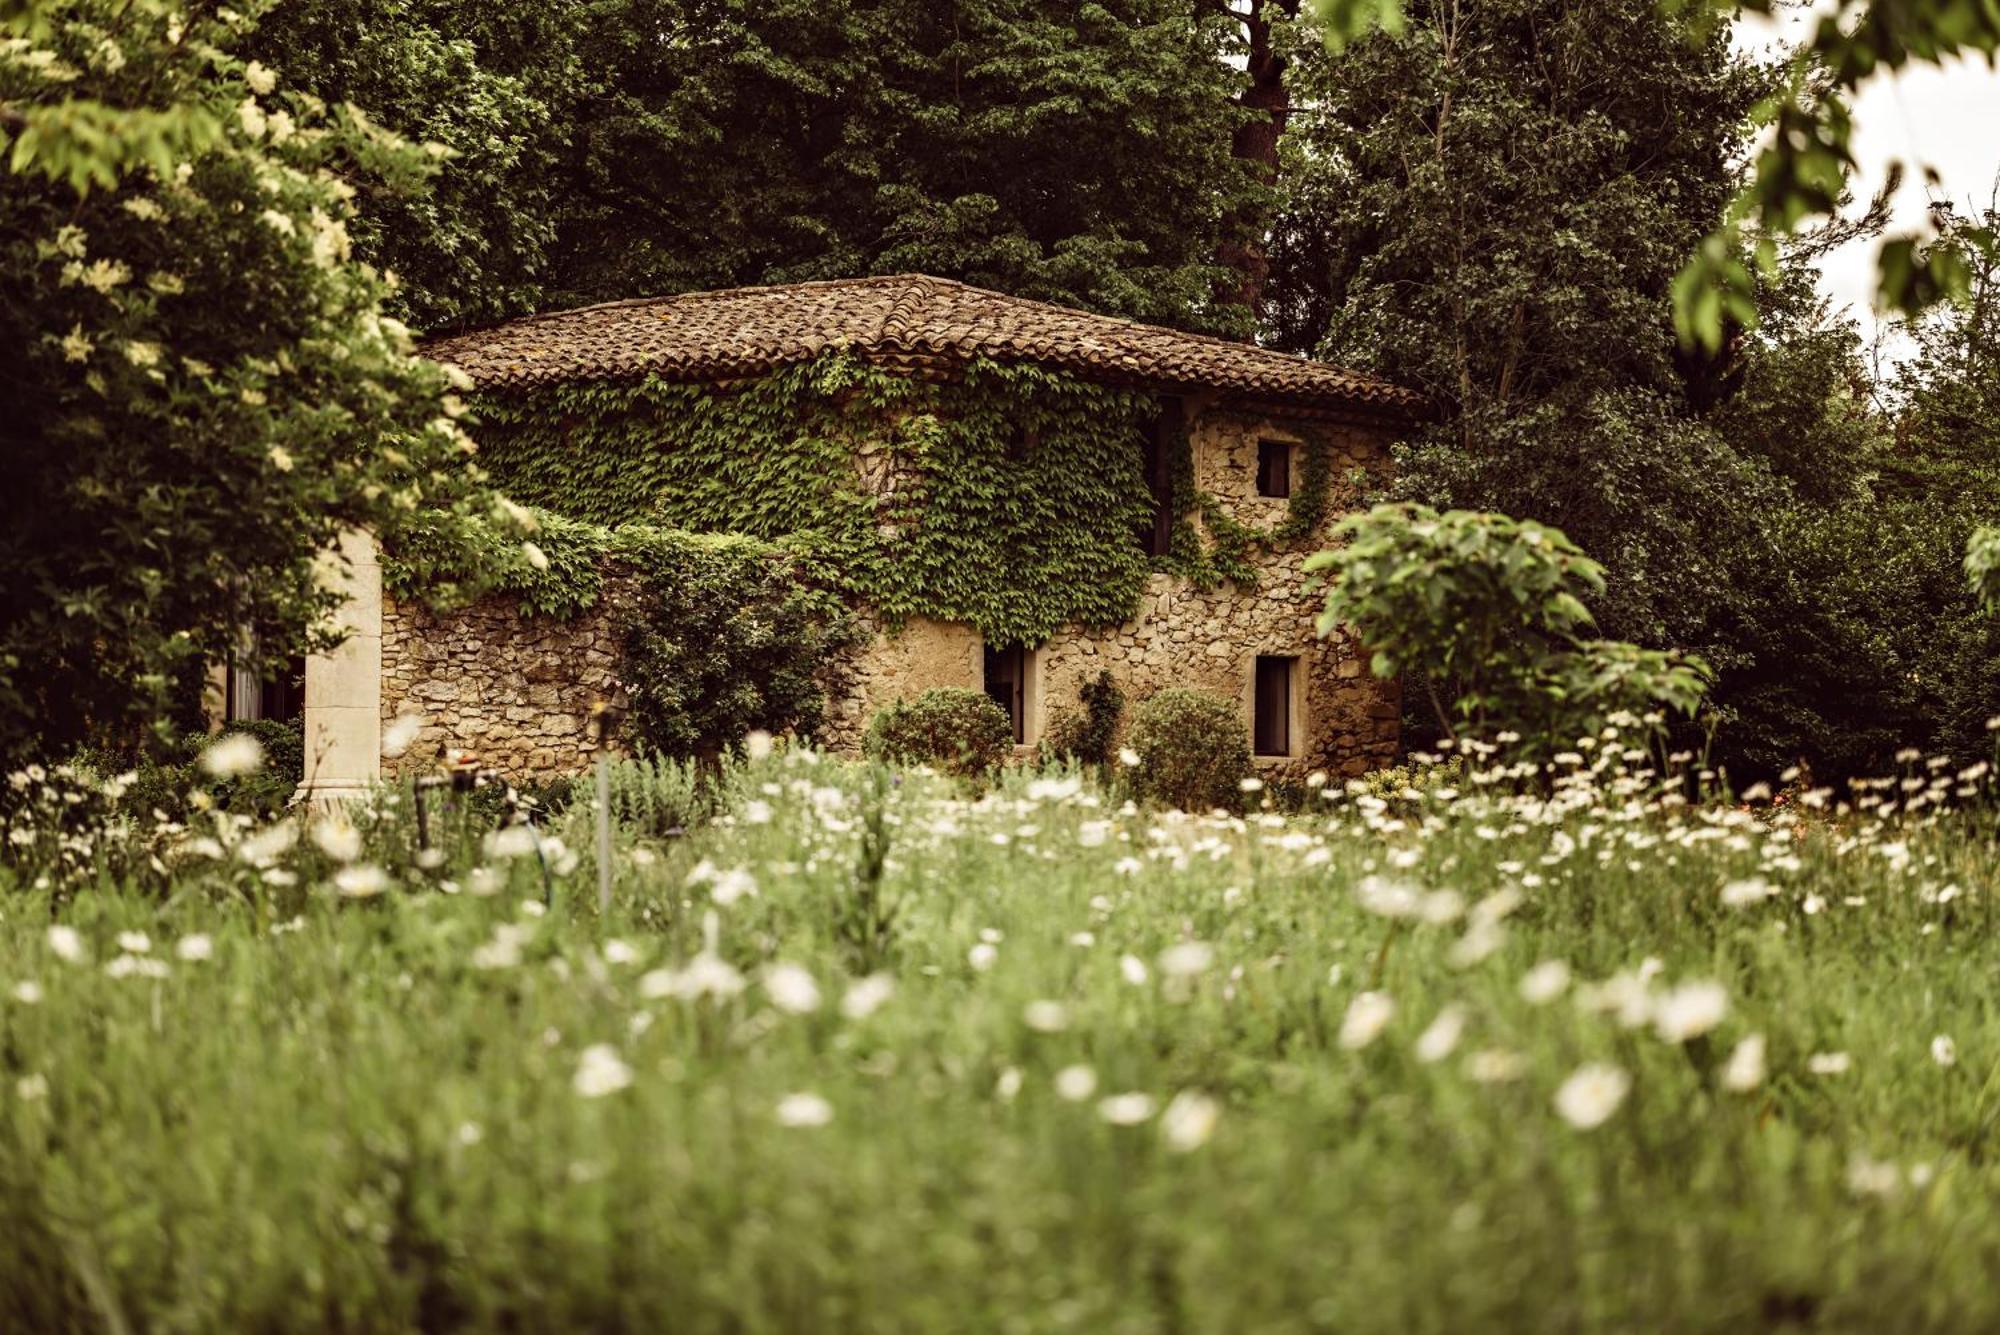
<point x="907" y="319"/>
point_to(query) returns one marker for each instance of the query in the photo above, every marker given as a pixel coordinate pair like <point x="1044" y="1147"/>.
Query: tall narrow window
<point x="249" y="697"/>
<point x="1007" y="683"/>
<point x="1274" y="468"/>
<point x="1156" y="535"/>
<point x="1272" y="705"/>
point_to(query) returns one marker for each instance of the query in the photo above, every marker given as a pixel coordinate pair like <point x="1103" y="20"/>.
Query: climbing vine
<point x="1231" y="546"/>
<point x="1007" y="498"/>
<point x="723" y="633"/>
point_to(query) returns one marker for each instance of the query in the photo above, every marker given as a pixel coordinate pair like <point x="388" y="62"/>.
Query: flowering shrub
<point x="203" y="390"/>
<point x="1193" y="750"/>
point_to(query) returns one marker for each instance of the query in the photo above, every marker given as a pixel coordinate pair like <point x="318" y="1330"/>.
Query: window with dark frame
<point x="1274" y="468"/>
<point x="1007" y="684"/>
<point x="1271" y="705"/>
<point x="247" y="697"/>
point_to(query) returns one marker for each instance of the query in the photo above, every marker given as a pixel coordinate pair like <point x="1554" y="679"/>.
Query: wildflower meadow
<point x="1579" y="1045"/>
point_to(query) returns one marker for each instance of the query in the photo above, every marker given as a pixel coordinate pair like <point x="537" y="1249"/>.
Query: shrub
<point x="1085" y="737"/>
<point x="1194" y="751"/>
<point x="959" y="731"/>
<point x="729" y="637"/>
<point x="164" y="778"/>
<point x="1486" y="612"/>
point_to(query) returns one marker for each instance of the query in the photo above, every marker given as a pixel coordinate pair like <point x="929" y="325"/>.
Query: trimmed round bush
<point x="1194" y="751"/>
<point x="959" y="731"/>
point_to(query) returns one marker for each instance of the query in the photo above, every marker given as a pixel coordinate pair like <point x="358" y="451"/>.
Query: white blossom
<point x="1690" y="1010"/>
<point x="1367" y="1015"/>
<point x="1545" y="982"/>
<point x="601" y="1071"/>
<point x="1745" y="1069"/>
<point x="1045" y="1017"/>
<point x="1591" y="1094"/>
<point x="1441" y="1037"/>
<point x="66" y="944"/>
<point x="865" y="996"/>
<point x="232" y="756"/>
<point x="1126" y="1109"/>
<point x="791" y="988"/>
<point x="1189" y="1120"/>
<point x="1075" y="1083"/>
<point x="804" y="1110"/>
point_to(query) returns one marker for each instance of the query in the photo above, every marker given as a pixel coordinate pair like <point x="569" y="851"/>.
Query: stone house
<point x="515" y="690"/>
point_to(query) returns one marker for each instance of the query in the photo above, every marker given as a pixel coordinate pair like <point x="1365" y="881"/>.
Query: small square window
<point x="1271" y="705"/>
<point x="1274" y="468"/>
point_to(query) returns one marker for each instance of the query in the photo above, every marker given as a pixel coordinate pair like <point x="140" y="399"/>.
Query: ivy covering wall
<point x="1008" y="498"/>
<point x="721" y="633"/>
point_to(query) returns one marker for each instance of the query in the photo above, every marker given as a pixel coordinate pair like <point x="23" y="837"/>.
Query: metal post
<point x="602" y="727"/>
<point x="603" y="833"/>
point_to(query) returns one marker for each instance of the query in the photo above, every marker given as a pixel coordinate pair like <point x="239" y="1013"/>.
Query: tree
<point x="496" y="92"/>
<point x="1495" y="204"/>
<point x="1078" y="154"/>
<point x="1074" y="153"/>
<point x="202" y="390"/>
<point x="1492" y="207"/>
<point x="1803" y="169"/>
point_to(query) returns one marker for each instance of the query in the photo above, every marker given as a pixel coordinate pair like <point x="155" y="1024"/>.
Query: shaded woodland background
<point x="1490" y="206"/>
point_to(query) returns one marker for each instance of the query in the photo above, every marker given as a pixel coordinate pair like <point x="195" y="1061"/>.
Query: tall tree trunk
<point x="1256" y="142"/>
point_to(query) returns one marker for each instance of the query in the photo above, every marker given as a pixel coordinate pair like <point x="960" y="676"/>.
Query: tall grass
<point x="1101" y="1070"/>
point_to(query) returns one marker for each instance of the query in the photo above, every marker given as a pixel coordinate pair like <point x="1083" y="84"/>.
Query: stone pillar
<point x="343" y="720"/>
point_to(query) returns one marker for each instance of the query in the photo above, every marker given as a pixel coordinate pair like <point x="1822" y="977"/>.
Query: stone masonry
<point x="516" y="691"/>
<point x="1345" y="721"/>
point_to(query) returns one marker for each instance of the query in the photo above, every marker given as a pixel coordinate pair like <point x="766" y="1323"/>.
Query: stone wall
<point x="1344" y="721"/>
<point x="513" y="690"/>
<point x="1183" y="636"/>
<point x="516" y="691"/>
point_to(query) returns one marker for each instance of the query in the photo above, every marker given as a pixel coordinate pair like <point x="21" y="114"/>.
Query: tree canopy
<point x="202" y="388"/>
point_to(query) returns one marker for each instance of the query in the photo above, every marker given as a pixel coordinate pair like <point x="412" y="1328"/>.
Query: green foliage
<point x="499" y="94"/>
<point x="1086" y="736"/>
<point x="1487" y="610"/>
<point x="727" y="637"/>
<point x="1446" y="596"/>
<point x="170" y="778"/>
<point x="1220" y="547"/>
<point x="553" y="564"/>
<point x="1541" y="204"/>
<point x="463" y="1115"/>
<point x="201" y="388"/>
<point x="724" y="635"/>
<point x="958" y="731"/>
<point x="1017" y="490"/>
<point x="1808" y="158"/>
<point x="1074" y="154"/>
<point x="1194" y="751"/>
<point x="1409" y="787"/>
<point x="652" y="797"/>
<point x="1803" y="169"/>
<point x="1982" y="567"/>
